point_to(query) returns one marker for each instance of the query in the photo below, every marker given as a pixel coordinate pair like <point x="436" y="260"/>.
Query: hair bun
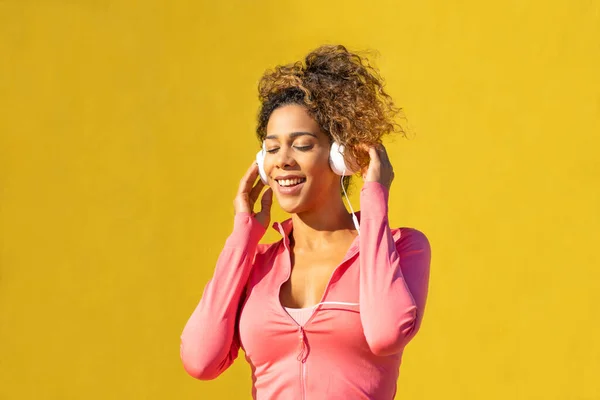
<point x="332" y="60"/>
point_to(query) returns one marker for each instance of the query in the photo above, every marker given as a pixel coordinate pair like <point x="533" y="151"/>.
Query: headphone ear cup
<point x="336" y="160"/>
<point x="260" y="160"/>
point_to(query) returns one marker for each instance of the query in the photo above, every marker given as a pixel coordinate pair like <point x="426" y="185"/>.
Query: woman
<point x="325" y="312"/>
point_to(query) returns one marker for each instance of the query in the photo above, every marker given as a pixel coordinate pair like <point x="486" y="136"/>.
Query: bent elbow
<point x="197" y="366"/>
<point x="199" y="371"/>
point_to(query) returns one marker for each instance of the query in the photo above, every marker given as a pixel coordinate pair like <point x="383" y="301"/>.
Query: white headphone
<point x="336" y="162"/>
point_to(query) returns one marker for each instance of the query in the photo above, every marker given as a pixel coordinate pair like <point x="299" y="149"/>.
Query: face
<point x="297" y="160"/>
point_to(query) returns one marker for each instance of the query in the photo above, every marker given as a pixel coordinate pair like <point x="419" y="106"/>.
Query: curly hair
<point x="341" y="91"/>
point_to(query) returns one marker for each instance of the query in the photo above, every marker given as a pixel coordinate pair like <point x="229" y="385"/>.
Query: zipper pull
<point x="303" y="349"/>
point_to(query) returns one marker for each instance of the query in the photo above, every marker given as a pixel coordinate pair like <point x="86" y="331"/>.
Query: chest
<point x="268" y="332"/>
<point x="310" y="273"/>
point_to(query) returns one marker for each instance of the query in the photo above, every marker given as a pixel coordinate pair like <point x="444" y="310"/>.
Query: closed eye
<point x="301" y="148"/>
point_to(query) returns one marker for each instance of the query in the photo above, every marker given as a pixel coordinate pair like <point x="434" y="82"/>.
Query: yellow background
<point x="126" y="126"/>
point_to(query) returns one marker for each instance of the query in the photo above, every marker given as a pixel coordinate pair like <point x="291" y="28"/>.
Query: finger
<point x="248" y="179"/>
<point x="267" y="200"/>
<point x="265" y="203"/>
<point x="255" y="192"/>
<point x="374" y="161"/>
<point x="374" y="154"/>
<point x="250" y="174"/>
<point x="383" y="154"/>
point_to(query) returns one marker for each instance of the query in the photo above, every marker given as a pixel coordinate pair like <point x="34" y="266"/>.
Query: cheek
<point x="268" y="165"/>
<point x="322" y="166"/>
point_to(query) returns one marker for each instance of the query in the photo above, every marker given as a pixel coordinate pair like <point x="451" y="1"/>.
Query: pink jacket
<point x="350" y="348"/>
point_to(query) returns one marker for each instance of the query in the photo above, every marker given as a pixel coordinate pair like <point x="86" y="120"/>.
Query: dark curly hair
<point x="341" y="91"/>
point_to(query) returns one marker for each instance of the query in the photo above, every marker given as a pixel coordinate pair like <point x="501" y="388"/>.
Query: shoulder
<point x="411" y="239"/>
<point x="265" y="258"/>
<point x="414" y="253"/>
<point x="268" y="248"/>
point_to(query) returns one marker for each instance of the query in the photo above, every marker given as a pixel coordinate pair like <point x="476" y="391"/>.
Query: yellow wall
<point x="125" y="127"/>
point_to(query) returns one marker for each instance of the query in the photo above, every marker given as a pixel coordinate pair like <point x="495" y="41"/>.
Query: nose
<point x="284" y="159"/>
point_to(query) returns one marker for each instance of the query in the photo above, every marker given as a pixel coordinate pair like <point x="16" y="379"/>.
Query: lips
<point x="290" y="185"/>
<point x="290" y="182"/>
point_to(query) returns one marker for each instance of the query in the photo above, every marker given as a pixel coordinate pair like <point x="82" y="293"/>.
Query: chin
<point x="308" y="199"/>
<point x="292" y="207"/>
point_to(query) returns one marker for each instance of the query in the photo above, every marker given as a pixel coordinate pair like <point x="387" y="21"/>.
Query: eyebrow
<point x="294" y="135"/>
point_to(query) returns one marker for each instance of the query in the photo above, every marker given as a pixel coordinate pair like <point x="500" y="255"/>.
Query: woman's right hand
<point x="248" y="193"/>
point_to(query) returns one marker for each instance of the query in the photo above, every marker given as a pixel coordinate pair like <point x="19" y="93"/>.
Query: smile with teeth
<point x="290" y="182"/>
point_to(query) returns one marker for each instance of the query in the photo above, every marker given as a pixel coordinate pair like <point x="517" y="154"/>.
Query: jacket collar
<point x="285" y="227"/>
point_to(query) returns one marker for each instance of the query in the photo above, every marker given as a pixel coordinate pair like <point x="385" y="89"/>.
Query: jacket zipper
<point x="301" y="335"/>
<point x="302" y="360"/>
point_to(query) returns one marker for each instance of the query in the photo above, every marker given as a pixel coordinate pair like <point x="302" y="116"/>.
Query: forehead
<point x="292" y="118"/>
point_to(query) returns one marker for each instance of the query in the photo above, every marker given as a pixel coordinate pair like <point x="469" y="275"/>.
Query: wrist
<point x="374" y="198"/>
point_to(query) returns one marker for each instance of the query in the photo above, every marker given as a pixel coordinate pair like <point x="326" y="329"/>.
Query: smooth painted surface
<point x="126" y="126"/>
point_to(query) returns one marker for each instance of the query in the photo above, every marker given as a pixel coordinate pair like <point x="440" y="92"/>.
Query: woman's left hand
<point x="379" y="169"/>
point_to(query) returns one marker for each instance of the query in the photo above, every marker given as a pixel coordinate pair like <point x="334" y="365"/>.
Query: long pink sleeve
<point x="209" y="341"/>
<point x="393" y="276"/>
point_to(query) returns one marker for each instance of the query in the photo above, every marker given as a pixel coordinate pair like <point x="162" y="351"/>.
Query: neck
<point x="319" y="228"/>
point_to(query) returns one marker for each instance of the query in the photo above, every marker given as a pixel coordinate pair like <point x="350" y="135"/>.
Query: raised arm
<point x="394" y="275"/>
<point x="209" y="341"/>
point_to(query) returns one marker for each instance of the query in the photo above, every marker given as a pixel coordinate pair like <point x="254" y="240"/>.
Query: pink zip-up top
<point x="349" y="348"/>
